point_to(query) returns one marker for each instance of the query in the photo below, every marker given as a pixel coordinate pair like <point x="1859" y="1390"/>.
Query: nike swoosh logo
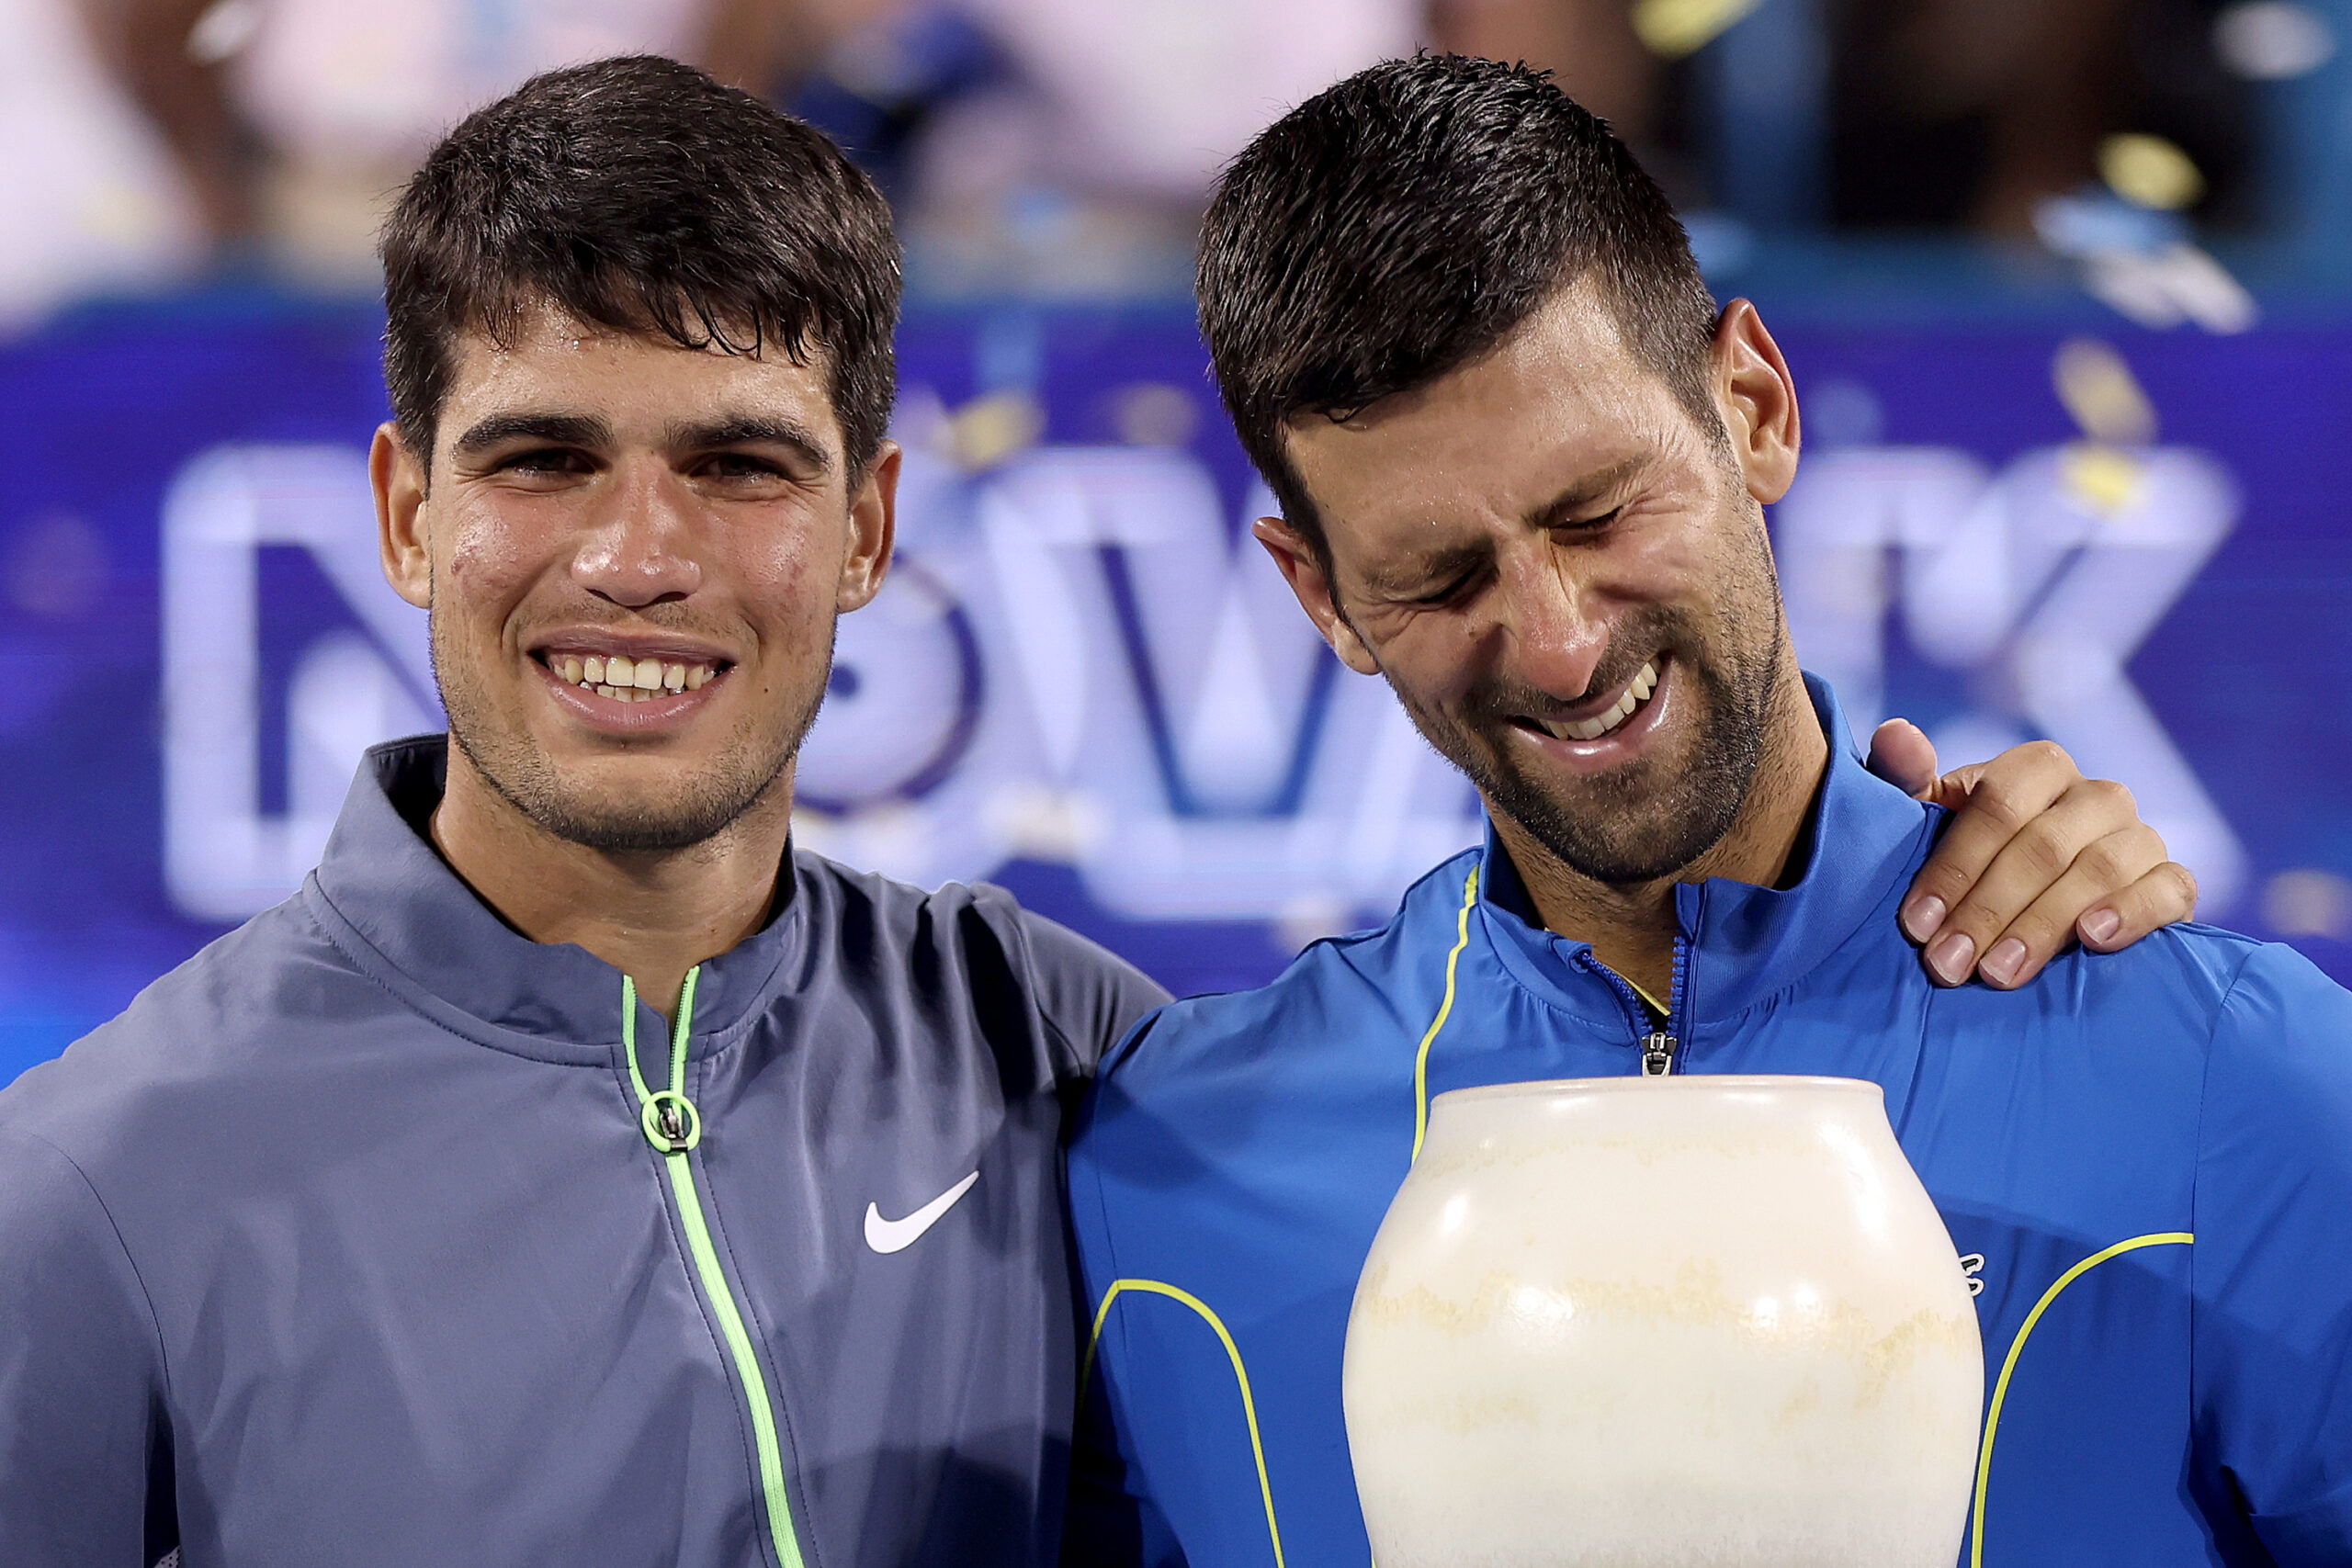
<point x="886" y="1236"/>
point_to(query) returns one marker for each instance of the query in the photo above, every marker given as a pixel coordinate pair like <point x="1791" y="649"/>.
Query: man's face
<point x="1566" y="580"/>
<point x="633" y="554"/>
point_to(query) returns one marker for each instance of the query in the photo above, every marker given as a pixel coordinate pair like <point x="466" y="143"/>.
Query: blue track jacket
<point x="2160" y="1400"/>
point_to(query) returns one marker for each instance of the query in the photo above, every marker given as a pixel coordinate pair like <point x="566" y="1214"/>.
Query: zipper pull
<point x="1658" y="1056"/>
<point x="671" y="1123"/>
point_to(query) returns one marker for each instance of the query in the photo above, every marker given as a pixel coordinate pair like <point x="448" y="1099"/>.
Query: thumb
<point x="1901" y="754"/>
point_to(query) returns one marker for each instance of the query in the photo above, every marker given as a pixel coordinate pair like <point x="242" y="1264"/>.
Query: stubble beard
<point x="1652" y="818"/>
<point x="701" y="806"/>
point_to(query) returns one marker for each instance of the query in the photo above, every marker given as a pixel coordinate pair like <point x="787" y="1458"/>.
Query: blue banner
<point x="1083" y="679"/>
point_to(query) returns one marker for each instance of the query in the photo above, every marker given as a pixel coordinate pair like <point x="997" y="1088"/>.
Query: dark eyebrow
<point x="752" y="430"/>
<point x="1563" y="508"/>
<point x="552" y="429"/>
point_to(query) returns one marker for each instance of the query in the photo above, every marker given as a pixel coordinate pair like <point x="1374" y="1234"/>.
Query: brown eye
<point x="543" y="460"/>
<point x="741" y="466"/>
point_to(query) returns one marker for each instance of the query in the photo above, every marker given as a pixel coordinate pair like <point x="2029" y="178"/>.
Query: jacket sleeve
<point x="1090" y="994"/>
<point x="2272" y="1261"/>
<point x="85" y="1466"/>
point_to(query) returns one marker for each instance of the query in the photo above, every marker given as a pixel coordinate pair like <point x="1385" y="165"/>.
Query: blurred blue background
<point x="2067" y="287"/>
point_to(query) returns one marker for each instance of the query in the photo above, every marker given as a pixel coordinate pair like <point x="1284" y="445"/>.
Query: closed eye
<point x="1455" y="589"/>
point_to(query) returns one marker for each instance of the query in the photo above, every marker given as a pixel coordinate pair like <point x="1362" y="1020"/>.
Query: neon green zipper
<point x="674" y="1126"/>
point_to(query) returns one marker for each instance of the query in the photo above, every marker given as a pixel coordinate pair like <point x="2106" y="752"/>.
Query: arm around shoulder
<point x="85" y="1468"/>
<point x="2272" y="1261"/>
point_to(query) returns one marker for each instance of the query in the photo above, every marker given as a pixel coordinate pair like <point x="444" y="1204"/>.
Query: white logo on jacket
<point x="886" y="1236"/>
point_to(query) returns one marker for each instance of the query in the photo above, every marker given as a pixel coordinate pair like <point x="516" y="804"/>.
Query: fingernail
<point x="2003" y="963"/>
<point x="1951" y="957"/>
<point x="2100" y="925"/>
<point x="1922" y="916"/>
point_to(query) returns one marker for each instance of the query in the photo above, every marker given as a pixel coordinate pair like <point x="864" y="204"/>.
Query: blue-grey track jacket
<point x="354" y="1242"/>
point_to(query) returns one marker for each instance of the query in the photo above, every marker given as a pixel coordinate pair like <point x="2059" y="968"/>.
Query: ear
<point x="1757" y="400"/>
<point x="873" y="525"/>
<point x="1304" y="574"/>
<point x="396" y="475"/>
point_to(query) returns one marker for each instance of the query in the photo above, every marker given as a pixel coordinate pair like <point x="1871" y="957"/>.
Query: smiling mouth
<point x="627" y="679"/>
<point x="1635" y="697"/>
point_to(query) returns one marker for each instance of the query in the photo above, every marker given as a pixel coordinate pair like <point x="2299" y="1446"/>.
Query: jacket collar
<point x="388" y="898"/>
<point x="1743" y="944"/>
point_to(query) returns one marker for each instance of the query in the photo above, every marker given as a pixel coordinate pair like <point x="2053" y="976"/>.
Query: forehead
<point x="1563" y="397"/>
<point x="549" y="359"/>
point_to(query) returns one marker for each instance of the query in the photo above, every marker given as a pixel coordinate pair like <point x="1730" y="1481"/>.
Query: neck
<point x="1632" y="925"/>
<point x="652" y="914"/>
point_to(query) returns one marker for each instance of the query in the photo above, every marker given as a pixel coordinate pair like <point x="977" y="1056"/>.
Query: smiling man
<point x="573" y="1173"/>
<point x="1523" y="460"/>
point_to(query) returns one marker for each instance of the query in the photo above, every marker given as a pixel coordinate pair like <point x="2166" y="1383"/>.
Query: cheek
<point x="491" y="560"/>
<point x="786" y="581"/>
<point x="1683" y="557"/>
<point x="1698" y="561"/>
<point x="1438" y="659"/>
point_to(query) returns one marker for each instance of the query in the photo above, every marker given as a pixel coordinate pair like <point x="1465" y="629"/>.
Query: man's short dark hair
<point x="640" y="195"/>
<point x="1393" y="228"/>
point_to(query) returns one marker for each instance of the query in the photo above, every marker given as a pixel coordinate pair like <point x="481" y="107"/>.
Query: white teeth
<point x="627" y="680"/>
<point x="1636" y="695"/>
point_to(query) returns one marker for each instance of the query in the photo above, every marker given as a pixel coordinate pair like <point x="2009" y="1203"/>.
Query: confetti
<point x="2150" y="172"/>
<point x="1672" y="29"/>
<point x="2101" y="393"/>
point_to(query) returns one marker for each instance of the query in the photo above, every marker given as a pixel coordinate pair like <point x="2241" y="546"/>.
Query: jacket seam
<point x="723" y="1041"/>
<point x="1101" y="1370"/>
<point x="408" y="1004"/>
<point x="146" y="1296"/>
<point x="1028" y="964"/>
<point x="366" y="972"/>
<point x="2197" y="1169"/>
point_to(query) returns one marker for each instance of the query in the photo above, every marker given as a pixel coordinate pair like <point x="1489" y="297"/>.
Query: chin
<point x="1644" y="821"/>
<point x="636" y="801"/>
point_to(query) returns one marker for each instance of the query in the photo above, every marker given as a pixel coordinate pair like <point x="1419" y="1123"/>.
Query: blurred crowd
<point x="1066" y="146"/>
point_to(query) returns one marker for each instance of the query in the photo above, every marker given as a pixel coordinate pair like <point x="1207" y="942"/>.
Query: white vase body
<point x="1691" y="1322"/>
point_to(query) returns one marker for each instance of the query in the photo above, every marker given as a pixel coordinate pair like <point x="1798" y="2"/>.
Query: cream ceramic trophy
<point x="1663" y="1322"/>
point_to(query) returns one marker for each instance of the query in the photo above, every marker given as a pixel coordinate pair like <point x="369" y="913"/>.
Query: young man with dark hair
<point x="1523" y="462"/>
<point x="573" y="1173"/>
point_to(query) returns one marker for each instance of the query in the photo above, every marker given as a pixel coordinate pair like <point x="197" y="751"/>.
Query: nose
<point x="638" y="547"/>
<point x="1553" y="638"/>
